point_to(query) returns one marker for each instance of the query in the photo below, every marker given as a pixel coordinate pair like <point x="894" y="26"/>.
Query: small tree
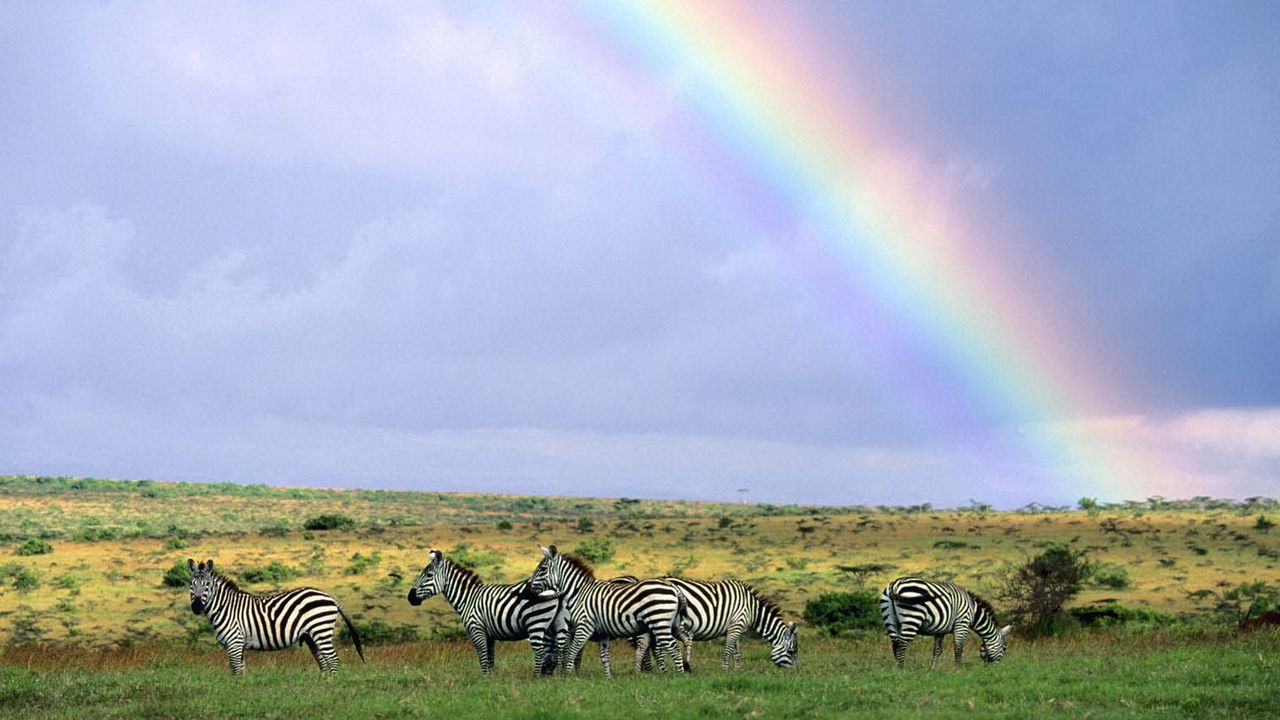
<point x="838" y="613"/>
<point x="1036" y="592"/>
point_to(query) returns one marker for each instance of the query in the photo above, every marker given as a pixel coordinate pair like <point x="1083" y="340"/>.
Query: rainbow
<point x="946" y="308"/>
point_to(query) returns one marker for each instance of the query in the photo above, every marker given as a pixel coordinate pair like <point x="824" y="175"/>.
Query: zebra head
<point x="993" y="647"/>
<point x="429" y="582"/>
<point x="548" y="579"/>
<point x="201" y="585"/>
<point x="785" y="646"/>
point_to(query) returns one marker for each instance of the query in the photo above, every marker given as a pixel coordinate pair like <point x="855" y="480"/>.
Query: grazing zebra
<point x="563" y="632"/>
<point x="604" y="611"/>
<point x="490" y="612"/>
<point x="913" y="606"/>
<point x="726" y="608"/>
<point x="267" y="622"/>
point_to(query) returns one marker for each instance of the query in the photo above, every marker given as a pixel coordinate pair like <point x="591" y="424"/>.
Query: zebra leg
<point x="962" y="634"/>
<point x="235" y="655"/>
<point x="667" y="645"/>
<point x="326" y="654"/>
<point x="540" y="659"/>
<point x="573" y="654"/>
<point x="642" y="651"/>
<point x="731" y="651"/>
<point x="484" y="649"/>
<point x="937" y="651"/>
<point x="900" y="644"/>
<point x="604" y="659"/>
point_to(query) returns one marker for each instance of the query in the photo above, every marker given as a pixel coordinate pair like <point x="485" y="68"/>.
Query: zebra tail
<point x="355" y="636"/>
<point x="677" y="630"/>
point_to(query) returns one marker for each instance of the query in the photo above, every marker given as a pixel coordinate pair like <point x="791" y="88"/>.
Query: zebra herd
<point x="563" y="605"/>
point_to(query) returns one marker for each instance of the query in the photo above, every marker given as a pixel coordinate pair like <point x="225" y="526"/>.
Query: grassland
<point x="90" y="625"/>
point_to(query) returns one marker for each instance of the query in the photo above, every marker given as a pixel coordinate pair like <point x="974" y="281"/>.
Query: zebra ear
<point x="792" y="626"/>
<point x="554" y="552"/>
<point x="545" y="551"/>
<point x="191" y="564"/>
<point x="435" y="555"/>
<point x="209" y="564"/>
<point x="1005" y="630"/>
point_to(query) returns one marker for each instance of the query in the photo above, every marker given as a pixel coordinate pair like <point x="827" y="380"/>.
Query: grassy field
<point x="1161" y="676"/>
<point x="88" y="624"/>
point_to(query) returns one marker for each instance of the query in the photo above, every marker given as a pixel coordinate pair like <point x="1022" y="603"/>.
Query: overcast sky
<point x="459" y="246"/>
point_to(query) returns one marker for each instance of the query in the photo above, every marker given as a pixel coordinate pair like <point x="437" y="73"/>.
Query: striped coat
<point x="267" y="622"/>
<point x="490" y="612"/>
<point x="728" y="608"/>
<point x="912" y="606"/>
<point x="603" y="611"/>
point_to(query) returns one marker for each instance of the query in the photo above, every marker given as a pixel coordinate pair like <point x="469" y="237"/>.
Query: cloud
<point x="455" y="94"/>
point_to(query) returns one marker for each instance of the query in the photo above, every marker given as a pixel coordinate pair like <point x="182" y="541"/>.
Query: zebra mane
<point x="767" y="607"/>
<point x="984" y="606"/>
<point x="227" y="581"/>
<point x="465" y="574"/>
<point x="581" y="564"/>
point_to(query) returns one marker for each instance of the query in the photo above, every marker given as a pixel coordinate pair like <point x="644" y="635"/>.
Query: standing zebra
<point x="604" y="611"/>
<point x="267" y="622"/>
<point x="726" y="608"/>
<point x="913" y="606"/>
<point x="490" y="612"/>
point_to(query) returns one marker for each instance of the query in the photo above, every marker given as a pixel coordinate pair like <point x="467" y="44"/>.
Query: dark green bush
<point x="840" y="613"/>
<point x="1037" y="591"/>
<point x="329" y="522"/>
<point x="178" y="575"/>
<point x="505" y="525"/>
<point x="279" y="529"/>
<point x="1113" y="614"/>
<point x="1111" y="576"/>
<point x="595" y="550"/>
<point x="585" y="525"/>
<point x="377" y="632"/>
<point x="273" y="573"/>
<point x="34" y="546"/>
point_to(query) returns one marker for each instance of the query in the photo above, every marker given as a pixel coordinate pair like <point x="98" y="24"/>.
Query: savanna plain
<point x="95" y="617"/>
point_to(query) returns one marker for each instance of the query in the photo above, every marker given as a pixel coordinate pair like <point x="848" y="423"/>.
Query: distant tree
<point x="329" y="522"/>
<point x="839" y="613"/>
<point x="1036" y="592"/>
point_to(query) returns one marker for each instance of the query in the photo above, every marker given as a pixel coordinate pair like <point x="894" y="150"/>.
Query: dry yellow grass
<point x="101" y="591"/>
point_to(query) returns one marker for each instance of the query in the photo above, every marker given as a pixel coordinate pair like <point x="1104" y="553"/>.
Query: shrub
<point x="177" y="576"/>
<point x="1111" y="576"/>
<point x="839" y="613"/>
<point x="1037" y="590"/>
<point x="595" y="550"/>
<point x="1263" y="524"/>
<point x="360" y="563"/>
<point x="1113" y="614"/>
<point x="273" y="573"/>
<point x="378" y="632"/>
<point x="471" y="558"/>
<point x="25" y="579"/>
<point x="505" y="525"/>
<point x="34" y="547"/>
<point x="278" y="530"/>
<point x="329" y="522"/>
<point x="584" y="525"/>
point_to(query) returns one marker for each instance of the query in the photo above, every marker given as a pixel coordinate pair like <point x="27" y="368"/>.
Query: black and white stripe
<point x="601" y="610"/>
<point x="267" y="622"/>
<point x="913" y="606"/>
<point x="490" y="612"/>
<point x="727" y="608"/>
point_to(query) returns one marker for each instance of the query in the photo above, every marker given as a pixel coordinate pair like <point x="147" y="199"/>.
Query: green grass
<point x="1100" y="676"/>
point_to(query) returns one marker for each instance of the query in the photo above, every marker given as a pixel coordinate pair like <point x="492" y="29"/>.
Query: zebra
<point x="914" y="606"/>
<point x="604" y="611"/>
<point x="490" y="612"/>
<point x="267" y="622"/>
<point x="563" y="632"/>
<point x="726" y="608"/>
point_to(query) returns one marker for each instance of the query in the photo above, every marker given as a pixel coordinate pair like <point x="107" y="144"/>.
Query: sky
<point x="823" y="252"/>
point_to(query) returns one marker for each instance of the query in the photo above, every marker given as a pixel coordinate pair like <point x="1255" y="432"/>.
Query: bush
<point x="839" y="613"/>
<point x="1037" y="591"/>
<point x="274" y="573"/>
<point x="595" y="550"/>
<point x="329" y="522"/>
<point x="1112" y="614"/>
<point x="24" y="579"/>
<point x="585" y="525"/>
<point x="377" y="632"/>
<point x="505" y="525"/>
<point x="360" y="563"/>
<point x="177" y="576"/>
<point x="466" y="555"/>
<point x="1263" y="524"/>
<point x="279" y="529"/>
<point x="34" y="547"/>
<point x="1111" y="576"/>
